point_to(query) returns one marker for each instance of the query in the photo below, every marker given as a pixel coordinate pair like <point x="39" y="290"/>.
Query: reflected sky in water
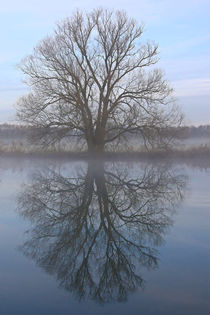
<point x="102" y="238"/>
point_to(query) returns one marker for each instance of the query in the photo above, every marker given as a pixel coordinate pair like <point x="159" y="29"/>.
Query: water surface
<point x="103" y="238"/>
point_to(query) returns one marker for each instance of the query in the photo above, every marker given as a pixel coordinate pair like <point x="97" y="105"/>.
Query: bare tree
<point x="92" y="79"/>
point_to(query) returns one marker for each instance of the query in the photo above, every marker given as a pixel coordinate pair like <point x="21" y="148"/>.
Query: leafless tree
<point x="94" y="79"/>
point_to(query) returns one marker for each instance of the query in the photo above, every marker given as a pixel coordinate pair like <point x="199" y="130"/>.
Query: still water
<point x="104" y="237"/>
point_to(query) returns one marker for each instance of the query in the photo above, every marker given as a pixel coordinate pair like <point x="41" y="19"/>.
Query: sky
<point x="181" y="28"/>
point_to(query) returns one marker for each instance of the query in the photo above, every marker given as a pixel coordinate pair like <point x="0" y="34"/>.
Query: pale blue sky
<point x="181" y="27"/>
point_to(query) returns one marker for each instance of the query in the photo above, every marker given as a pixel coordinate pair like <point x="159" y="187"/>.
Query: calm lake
<point x="105" y="238"/>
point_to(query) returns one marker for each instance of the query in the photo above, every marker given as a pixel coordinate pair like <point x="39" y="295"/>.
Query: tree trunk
<point x="95" y="141"/>
<point x="99" y="139"/>
<point x="95" y="147"/>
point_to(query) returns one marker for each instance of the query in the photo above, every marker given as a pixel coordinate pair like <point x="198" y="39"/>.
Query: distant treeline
<point x="12" y="131"/>
<point x="200" y="131"/>
<point x="21" y="131"/>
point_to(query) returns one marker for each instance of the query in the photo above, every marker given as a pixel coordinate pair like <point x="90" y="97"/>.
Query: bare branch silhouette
<point x="96" y="230"/>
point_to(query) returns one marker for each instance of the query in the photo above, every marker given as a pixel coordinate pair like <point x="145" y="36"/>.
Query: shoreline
<point x="196" y="152"/>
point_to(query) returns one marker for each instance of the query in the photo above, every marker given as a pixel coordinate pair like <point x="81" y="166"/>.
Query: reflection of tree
<point x="93" y="231"/>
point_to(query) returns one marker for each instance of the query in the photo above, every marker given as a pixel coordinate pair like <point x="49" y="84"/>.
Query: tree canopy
<point x="95" y="79"/>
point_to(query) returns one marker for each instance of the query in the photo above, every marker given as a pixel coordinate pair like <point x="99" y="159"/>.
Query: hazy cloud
<point x="192" y="87"/>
